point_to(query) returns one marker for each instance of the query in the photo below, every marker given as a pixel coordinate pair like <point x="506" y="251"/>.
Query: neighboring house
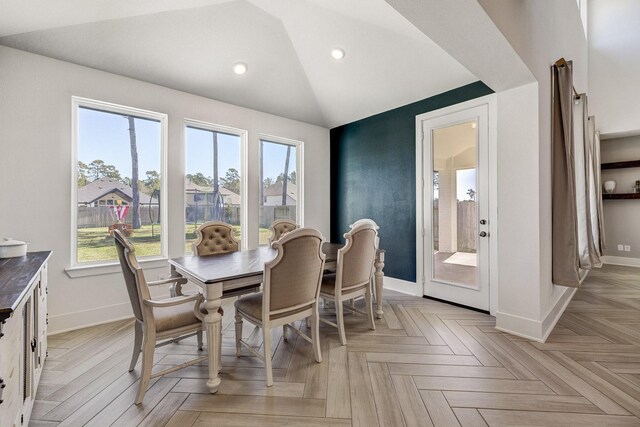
<point x="201" y="195"/>
<point x="273" y="194"/>
<point x="109" y="192"/>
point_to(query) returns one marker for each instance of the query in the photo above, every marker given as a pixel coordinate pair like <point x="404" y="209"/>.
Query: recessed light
<point x="473" y="125"/>
<point x="337" y="53"/>
<point x="240" y="68"/>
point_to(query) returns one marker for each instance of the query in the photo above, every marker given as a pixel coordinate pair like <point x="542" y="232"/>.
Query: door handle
<point x="483" y="221"/>
<point x="483" y="234"/>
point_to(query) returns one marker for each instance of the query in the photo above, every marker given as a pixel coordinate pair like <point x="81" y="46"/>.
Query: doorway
<point x="454" y="205"/>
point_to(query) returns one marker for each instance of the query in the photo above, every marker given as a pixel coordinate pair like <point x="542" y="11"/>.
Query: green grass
<point x="95" y="244"/>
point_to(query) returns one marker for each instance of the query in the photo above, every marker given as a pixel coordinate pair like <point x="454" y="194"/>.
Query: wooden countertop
<point x="15" y="276"/>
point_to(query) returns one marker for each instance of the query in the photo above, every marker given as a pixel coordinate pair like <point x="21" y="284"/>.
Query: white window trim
<point x="244" y="169"/>
<point x="77" y="269"/>
<point x="299" y="170"/>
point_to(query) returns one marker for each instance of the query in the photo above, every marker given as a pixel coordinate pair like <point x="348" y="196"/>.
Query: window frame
<point x="262" y="137"/>
<point x="80" y="269"/>
<point x="244" y="182"/>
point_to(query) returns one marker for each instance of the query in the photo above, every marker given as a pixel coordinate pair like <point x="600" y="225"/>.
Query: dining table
<point x="235" y="273"/>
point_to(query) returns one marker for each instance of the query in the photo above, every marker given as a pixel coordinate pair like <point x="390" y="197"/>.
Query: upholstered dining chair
<point x="352" y="278"/>
<point x="214" y="238"/>
<point x="281" y="227"/>
<point x="290" y="292"/>
<point x="156" y="320"/>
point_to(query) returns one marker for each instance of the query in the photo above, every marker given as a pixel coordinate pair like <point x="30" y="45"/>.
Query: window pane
<point x="114" y="148"/>
<point x="279" y="196"/>
<point x="212" y="182"/>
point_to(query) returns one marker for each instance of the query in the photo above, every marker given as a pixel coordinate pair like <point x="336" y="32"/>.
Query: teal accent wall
<point x="373" y="175"/>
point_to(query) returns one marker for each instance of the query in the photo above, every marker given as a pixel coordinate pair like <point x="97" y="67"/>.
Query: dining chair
<point x="352" y="278"/>
<point x="214" y="238"/>
<point x="280" y="227"/>
<point x="156" y="320"/>
<point x="290" y="292"/>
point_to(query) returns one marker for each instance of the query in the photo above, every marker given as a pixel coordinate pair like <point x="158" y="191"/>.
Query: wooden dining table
<point x="240" y="272"/>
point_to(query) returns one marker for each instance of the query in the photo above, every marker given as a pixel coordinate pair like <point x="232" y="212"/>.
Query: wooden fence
<point x="103" y="216"/>
<point x="467" y="223"/>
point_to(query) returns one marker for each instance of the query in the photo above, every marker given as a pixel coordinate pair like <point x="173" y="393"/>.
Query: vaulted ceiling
<point x="192" y="45"/>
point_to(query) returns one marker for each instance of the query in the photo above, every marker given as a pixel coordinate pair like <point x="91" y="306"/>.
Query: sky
<point x="105" y="136"/>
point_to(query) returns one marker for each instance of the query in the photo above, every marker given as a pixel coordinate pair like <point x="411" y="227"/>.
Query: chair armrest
<point x="180" y="280"/>
<point x="170" y="302"/>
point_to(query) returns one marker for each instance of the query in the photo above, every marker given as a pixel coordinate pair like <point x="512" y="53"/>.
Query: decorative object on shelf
<point x="636" y="187"/>
<point x="609" y="187"/>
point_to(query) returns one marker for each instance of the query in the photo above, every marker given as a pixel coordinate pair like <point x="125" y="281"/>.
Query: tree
<point x="134" y="172"/>
<point x="267" y="182"/>
<point x="231" y="180"/>
<point x="83" y="174"/>
<point x="292" y="177"/>
<point x="472" y="193"/>
<point x="200" y="179"/>
<point x="152" y="182"/>
<point x="286" y="174"/>
<point x="99" y="169"/>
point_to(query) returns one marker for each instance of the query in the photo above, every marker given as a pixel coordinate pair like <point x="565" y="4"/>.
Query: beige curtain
<point x="586" y="192"/>
<point x="595" y="140"/>
<point x="565" y="260"/>
<point x="593" y="189"/>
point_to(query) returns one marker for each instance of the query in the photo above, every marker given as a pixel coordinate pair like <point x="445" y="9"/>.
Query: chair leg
<point x="147" y="363"/>
<point x="368" y="300"/>
<point x="199" y="338"/>
<point x="238" y="333"/>
<point x="340" y="321"/>
<point x="266" y="344"/>
<point x="315" y="334"/>
<point x="137" y="345"/>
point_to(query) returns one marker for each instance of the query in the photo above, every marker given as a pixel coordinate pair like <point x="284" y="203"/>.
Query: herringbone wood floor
<point x="426" y="364"/>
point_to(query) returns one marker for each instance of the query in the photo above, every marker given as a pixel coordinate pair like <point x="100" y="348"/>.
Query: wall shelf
<point x="621" y="196"/>
<point x="620" y="165"/>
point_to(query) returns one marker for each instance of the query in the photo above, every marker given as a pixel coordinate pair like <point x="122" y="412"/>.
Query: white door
<point x="455" y="205"/>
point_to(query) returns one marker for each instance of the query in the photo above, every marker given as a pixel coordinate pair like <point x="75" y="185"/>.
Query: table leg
<point x="213" y="328"/>
<point x="176" y="288"/>
<point x="379" y="277"/>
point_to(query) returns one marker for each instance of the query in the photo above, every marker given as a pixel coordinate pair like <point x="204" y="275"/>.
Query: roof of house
<point x="276" y="190"/>
<point x="103" y="186"/>
<point x="229" y="196"/>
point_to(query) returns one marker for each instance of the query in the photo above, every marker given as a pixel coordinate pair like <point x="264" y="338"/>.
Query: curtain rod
<point x="562" y="63"/>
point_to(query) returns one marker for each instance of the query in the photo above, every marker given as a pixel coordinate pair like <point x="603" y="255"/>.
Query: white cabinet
<point x="23" y="343"/>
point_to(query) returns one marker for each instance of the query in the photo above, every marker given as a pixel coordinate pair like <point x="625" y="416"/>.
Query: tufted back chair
<point x="281" y="227"/>
<point x="133" y="276"/>
<point x="214" y="238"/>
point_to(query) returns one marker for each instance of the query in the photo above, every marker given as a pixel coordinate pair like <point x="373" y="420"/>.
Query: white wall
<point x="541" y="33"/>
<point x="35" y="169"/>
<point x="614" y="65"/>
<point x="511" y="45"/>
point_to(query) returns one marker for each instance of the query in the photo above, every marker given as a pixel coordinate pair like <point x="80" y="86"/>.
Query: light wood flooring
<point x="426" y="364"/>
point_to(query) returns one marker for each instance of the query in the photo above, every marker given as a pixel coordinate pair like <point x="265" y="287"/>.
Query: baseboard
<point x="521" y="326"/>
<point x="403" y="286"/>
<point x="552" y="317"/>
<point x="621" y="260"/>
<point x="95" y="316"/>
<point x="535" y="330"/>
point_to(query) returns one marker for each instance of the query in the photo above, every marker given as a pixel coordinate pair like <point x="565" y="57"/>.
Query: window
<point x="118" y="179"/>
<point x="281" y="177"/>
<point x="213" y="181"/>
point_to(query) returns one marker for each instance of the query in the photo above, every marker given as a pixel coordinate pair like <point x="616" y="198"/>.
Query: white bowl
<point x="10" y="248"/>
